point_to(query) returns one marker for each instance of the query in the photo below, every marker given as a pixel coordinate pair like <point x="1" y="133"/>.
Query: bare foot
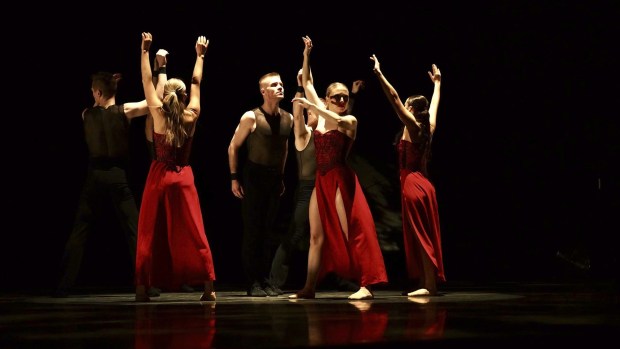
<point x="362" y="293"/>
<point x="303" y="294"/>
<point x="419" y="292"/>
<point x="208" y="296"/>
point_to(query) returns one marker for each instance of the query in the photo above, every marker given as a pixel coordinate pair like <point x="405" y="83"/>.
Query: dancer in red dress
<point x="343" y="238"/>
<point x="419" y="201"/>
<point x="172" y="245"/>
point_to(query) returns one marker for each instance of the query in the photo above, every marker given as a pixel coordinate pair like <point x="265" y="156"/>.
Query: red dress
<point x="172" y="246"/>
<point x="357" y="256"/>
<point x="419" y="211"/>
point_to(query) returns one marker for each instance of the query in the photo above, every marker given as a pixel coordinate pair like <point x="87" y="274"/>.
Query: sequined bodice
<point x="172" y="156"/>
<point x="332" y="149"/>
<point x="410" y="156"/>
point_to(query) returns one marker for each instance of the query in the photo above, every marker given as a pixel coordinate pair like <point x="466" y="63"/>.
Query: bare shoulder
<point x="248" y="115"/>
<point x="248" y="119"/>
<point x="350" y="117"/>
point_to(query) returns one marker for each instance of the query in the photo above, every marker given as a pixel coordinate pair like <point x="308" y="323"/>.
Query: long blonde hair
<point x="175" y="95"/>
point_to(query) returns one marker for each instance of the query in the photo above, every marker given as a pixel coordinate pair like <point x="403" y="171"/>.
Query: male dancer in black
<point x="106" y="130"/>
<point x="267" y="130"/>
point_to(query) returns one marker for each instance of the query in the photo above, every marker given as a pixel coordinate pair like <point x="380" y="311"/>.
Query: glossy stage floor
<point x="499" y="315"/>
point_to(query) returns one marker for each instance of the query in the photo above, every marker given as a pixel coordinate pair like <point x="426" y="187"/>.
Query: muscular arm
<point x="134" y="109"/>
<point x="246" y="124"/>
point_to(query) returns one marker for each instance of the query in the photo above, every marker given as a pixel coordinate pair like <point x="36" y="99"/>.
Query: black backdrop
<point x="522" y="158"/>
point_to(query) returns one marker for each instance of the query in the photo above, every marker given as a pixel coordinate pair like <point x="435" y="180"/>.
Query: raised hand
<point x="435" y="75"/>
<point x="201" y="46"/>
<point x="147" y="39"/>
<point x="357" y="86"/>
<point x="161" y="57"/>
<point x="377" y="67"/>
<point x="308" y="45"/>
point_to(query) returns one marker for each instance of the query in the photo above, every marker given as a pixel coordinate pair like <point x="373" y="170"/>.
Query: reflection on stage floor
<point x="503" y="314"/>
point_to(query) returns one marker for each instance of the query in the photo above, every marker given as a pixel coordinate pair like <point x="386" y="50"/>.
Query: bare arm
<point x="390" y="92"/>
<point x="135" y="109"/>
<point x="246" y="124"/>
<point x="300" y="129"/>
<point x="356" y="87"/>
<point x="347" y="122"/>
<point x="159" y="80"/>
<point x="147" y="75"/>
<point x="161" y="61"/>
<point x="435" y="76"/>
<point x="307" y="81"/>
<point x="194" y="97"/>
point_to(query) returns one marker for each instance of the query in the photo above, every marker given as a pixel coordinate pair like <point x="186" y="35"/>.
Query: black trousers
<point x="262" y="186"/>
<point x="110" y="184"/>
<point x="298" y="234"/>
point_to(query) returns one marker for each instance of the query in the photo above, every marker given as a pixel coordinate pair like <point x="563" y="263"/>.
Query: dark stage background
<point x="523" y="158"/>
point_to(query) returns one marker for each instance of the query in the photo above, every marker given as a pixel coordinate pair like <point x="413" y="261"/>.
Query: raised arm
<point x="405" y="115"/>
<point x="161" y="61"/>
<point x="435" y="76"/>
<point x="160" y="77"/>
<point x="300" y="129"/>
<point x="147" y="75"/>
<point x="306" y="77"/>
<point x="316" y="105"/>
<point x="356" y="87"/>
<point x="194" y="97"/>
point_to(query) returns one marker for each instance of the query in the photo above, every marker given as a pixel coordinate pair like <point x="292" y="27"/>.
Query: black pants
<point x="298" y="235"/>
<point x="101" y="185"/>
<point x="259" y="207"/>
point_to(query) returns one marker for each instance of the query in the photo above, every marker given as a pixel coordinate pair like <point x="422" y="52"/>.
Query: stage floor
<point x="498" y="315"/>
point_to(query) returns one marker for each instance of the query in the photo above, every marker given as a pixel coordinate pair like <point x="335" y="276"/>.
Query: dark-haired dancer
<point x="419" y="202"/>
<point x="106" y="130"/>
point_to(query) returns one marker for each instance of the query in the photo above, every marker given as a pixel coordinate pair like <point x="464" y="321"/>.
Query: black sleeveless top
<point x="306" y="161"/>
<point x="107" y="135"/>
<point x="268" y="143"/>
